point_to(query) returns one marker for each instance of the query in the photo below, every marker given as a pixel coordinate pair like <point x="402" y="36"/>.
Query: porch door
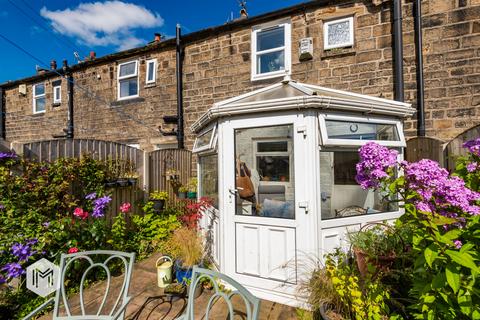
<point x="267" y="223"/>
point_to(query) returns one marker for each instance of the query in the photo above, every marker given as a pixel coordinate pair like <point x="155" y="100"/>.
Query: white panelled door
<point x="268" y="226"/>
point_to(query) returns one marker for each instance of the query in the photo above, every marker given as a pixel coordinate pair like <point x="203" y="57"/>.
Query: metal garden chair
<point x="62" y="308"/>
<point x="252" y="303"/>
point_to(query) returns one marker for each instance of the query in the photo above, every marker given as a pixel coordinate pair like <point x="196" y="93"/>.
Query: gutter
<point x="179" y="75"/>
<point x="303" y="102"/>
<point x="398" y="50"/>
<point x="419" y="68"/>
<point x="2" y="114"/>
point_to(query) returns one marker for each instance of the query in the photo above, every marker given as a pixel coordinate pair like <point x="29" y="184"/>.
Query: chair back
<point x="251" y="303"/>
<point x="110" y="302"/>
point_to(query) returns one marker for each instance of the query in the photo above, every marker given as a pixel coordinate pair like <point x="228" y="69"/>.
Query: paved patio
<point x="148" y="301"/>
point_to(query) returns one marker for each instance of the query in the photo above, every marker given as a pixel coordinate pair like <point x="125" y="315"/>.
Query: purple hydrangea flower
<point x="91" y="196"/>
<point x="99" y="206"/>
<point x="374" y="162"/>
<point x="473" y="146"/>
<point x="458" y="244"/>
<point x="471" y="167"/>
<point x="2" y="279"/>
<point x="13" y="269"/>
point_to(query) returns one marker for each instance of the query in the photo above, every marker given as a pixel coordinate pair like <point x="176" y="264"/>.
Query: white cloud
<point x="104" y="23"/>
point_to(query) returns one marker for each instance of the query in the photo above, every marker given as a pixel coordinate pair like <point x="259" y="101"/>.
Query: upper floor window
<point x="151" y="71"/>
<point x="57" y="94"/>
<point x="128" y="80"/>
<point x="338" y="33"/>
<point x="39" y="98"/>
<point x="271" y="50"/>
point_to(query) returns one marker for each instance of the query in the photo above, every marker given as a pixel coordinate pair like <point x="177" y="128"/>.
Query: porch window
<point x="205" y="140"/>
<point x="338" y="33"/>
<point x="264" y="177"/>
<point x="341" y="196"/>
<point x="127" y="80"/>
<point x="208" y="180"/>
<point x="39" y="98"/>
<point x="356" y="131"/>
<point x="271" y="50"/>
<point x="151" y="71"/>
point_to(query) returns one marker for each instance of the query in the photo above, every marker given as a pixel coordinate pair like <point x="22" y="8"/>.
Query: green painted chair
<point x="251" y="303"/>
<point x="119" y="301"/>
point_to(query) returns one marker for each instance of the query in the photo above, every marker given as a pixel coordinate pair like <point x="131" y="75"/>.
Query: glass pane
<point x="337" y="129"/>
<point x="339" y="33"/>
<point x="209" y="178"/>
<point x="340" y="194"/>
<point x="128" y="87"/>
<point x="40" y="104"/>
<point x="57" y="93"/>
<point x="271" y="38"/>
<point x="270" y="62"/>
<point x="128" y="69"/>
<point x="203" y="140"/>
<point x="272" y="146"/>
<point x="151" y="70"/>
<point x="39" y="89"/>
<point x="264" y="183"/>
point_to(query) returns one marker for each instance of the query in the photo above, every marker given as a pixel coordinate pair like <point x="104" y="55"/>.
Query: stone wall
<point x="218" y="66"/>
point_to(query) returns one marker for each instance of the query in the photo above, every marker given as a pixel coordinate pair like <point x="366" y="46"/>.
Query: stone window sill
<point x="119" y="103"/>
<point x="56" y="104"/>
<point x="150" y="85"/>
<point x="338" y="52"/>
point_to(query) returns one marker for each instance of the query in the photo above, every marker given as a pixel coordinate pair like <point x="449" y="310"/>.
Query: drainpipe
<point x="179" y="73"/>
<point x="70" y="126"/>
<point x="2" y="114"/>
<point x="398" y="50"/>
<point x="419" y="68"/>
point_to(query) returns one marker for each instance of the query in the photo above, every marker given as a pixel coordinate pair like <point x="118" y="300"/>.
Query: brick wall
<point x="218" y="67"/>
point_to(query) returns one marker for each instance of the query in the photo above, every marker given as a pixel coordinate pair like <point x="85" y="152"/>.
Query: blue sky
<point x="61" y="27"/>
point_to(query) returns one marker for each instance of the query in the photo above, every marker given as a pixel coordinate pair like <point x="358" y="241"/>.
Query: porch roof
<point x="289" y="94"/>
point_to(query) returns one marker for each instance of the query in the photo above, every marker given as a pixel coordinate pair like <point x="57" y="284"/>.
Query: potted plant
<point x="158" y="198"/>
<point x="186" y="246"/>
<point x="132" y="178"/>
<point x="375" y="248"/>
<point x="111" y="173"/>
<point x="192" y="188"/>
<point x="173" y="177"/>
<point x="182" y="192"/>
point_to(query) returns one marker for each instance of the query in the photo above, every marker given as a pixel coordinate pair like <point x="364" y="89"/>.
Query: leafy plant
<point x="186" y="245"/>
<point x="183" y="189"/>
<point x="159" y="195"/>
<point x="192" y="185"/>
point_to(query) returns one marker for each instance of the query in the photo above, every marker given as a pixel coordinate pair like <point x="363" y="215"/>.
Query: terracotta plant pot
<point x="381" y="263"/>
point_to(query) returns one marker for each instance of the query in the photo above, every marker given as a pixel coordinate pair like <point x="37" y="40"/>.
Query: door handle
<point x="304" y="205"/>
<point x="235" y="191"/>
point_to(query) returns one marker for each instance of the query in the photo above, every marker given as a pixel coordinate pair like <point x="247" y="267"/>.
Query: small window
<point x="39" y="98"/>
<point x="271" y="53"/>
<point x="57" y="94"/>
<point x="128" y="80"/>
<point x="205" y="141"/>
<point x="338" y="33"/>
<point x="151" y="71"/>
<point x="357" y="131"/>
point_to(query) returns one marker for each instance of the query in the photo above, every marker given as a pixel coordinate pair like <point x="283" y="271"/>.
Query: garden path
<point x="148" y="301"/>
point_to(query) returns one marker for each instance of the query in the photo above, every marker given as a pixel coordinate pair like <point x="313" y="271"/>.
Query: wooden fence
<point x="151" y="167"/>
<point x="161" y="161"/>
<point x="424" y="148"/>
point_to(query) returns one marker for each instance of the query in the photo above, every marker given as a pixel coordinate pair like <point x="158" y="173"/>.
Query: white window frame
<point x="130" y="76"/>
<point x="209" y="147"/>
<point x="326" y="25"/>
<point x="288" y="153"/>
<point x="35" y="97"/>
<point x="148" y="62"/>
<point x="326" y="141"/>
<point x="57" y="99"/>
<point x="287" y="48"/>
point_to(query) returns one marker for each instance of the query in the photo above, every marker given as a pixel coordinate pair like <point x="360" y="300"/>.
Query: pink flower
<point x="73" y="250"/>
<point x="458" y="244"/>
<point x="125" y="207"/>
<point x="80" y="213"/>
